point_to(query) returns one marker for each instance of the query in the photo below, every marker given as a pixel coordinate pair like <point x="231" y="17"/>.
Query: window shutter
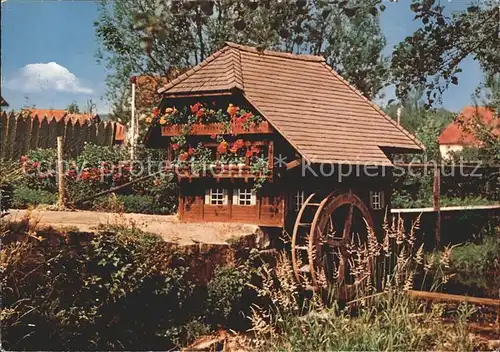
<point x="254" y="197"/>
<point x="207" y="196"/>
<point x="226" y="196"/>
<point x="236" y="192"/>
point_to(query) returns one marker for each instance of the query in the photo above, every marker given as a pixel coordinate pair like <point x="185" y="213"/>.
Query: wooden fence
<point x="20" y="133"/>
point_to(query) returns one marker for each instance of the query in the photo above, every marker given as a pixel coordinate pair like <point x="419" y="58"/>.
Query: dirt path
<point x="167" y="226"/>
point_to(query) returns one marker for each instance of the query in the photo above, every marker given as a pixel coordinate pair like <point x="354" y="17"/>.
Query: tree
<point x="73" y="108"/>
<point x="431" y="57"/>
<point x="147" y="37"/>
<point x="416" y="119"/>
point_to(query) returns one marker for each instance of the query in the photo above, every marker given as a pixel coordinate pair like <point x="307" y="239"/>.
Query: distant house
<point x="457" y="135"/>
<point x="58" y="115"/>
<point x="3" y="102"/>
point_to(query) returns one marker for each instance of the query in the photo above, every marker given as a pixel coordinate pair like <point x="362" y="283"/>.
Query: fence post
<point x="60" y="172"/>
<point x="436" y="190"/>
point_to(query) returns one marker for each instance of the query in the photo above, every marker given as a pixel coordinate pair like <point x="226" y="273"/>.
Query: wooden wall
<point x="19" y="134"/>
<point x="269" y="210"/>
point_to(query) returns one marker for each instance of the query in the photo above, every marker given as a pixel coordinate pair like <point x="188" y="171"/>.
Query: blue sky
<point x="48" y="50"/>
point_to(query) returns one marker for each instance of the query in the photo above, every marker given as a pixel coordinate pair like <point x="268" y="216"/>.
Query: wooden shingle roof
<point x="323" y="117"/>
<point x="3" y="102"/>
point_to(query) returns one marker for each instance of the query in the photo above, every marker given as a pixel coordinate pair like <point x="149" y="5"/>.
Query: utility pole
<point x="133" y="126"/>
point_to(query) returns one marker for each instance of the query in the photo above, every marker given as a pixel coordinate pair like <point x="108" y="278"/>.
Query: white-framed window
<point x="377" y="200"/>
<point x="244" y="196"/>
<point x="216" y="196"/>
<point x="298" y="200"/>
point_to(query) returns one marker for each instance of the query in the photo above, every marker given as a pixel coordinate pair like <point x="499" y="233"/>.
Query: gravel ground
<point x="167" y="226"/>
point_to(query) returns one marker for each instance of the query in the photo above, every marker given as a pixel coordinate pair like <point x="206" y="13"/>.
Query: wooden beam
<point x="436" y="189"/>
<point x="293" y="164"/>
<point x="446" y="297"/>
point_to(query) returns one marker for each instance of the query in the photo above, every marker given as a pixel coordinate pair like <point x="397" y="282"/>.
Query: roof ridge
<point x="384" y="115"/>
<point x="301" y="57"/>
<point x="193" y="70"/>
<point x="236" y="72"/>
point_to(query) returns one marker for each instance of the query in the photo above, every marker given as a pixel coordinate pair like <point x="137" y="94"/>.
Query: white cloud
<point x="49" y="76"/>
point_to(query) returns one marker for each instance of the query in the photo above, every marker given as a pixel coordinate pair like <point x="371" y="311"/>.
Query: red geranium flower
<point x="191" y="151"/>
<point x="175" y="146"/>
<point x="36" y="164"/>
<point x="244" y="118"/>
<point x="24" y="158"/>
<point x="222" y="148"/>
<point x="195" y="108"/>
<point x="156" y="111"/>
<point x="184" y="156"/>
<point x="255" y="150"/>
<point x="249" y="154"/>
<point x="232" y="110"/>
<point x="213" y="136"/>
<point x="239" y="143"/>
<point x="200" y="113"/>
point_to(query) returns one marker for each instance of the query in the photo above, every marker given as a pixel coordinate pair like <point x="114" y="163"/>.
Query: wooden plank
<point x="12" y="135"/>
<point x="100" y="133"/>
<point x="92" y="133"/>
<point x="43" y="134"/>
<point x="436" y="195"/>
<point x="27" y="137"/>
<point x="4" y="134"/>
<point x="35" y="131"/>
<point x="76" y="143"/>
<point x="52" y="138"/>
<point x="108" y="134"/>
<point x="61" y="127"/>
<point x="446" y="297"/>
<point x="68" y="136"/>
<point x="22" y="133"/>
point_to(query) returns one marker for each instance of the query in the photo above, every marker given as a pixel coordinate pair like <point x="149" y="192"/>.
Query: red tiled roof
<point x="457" y="132"/>
<point x="323" y="117"/>
<point x="57" y="115"/>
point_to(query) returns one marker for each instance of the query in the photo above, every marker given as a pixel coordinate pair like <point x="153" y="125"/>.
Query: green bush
<point x="139" y="204"/>
<point x="226" y="292"/>
<point x="94" y="155"/>
<point x="25" y="197"/>
<point x="9" y="175"/>
<point x="39" y="170"/>
<point x="118" y="292"/>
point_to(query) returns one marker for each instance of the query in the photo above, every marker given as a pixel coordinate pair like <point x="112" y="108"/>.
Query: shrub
<point x="39" y="169"/>
<point x="6" y="197"/>
<point x="9" y="175"/>
<point x="117" y="292"/>
<point x="226" y="292"/>
<point x="94" y="155"/>
<point x="25" y="197"/>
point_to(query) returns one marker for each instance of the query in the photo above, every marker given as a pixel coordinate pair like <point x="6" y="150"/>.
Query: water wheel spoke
<point x="348" y="223"/>
<point x="335" y="242"/>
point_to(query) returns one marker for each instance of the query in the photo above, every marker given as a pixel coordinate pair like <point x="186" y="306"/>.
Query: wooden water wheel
<point x="326" y="231"/>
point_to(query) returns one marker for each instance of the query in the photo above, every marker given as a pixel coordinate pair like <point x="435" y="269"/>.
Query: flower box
<point x="200" y="129"/>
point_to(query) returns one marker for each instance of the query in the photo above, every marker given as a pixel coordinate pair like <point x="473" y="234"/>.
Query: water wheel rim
<point x="332" y="202"/>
